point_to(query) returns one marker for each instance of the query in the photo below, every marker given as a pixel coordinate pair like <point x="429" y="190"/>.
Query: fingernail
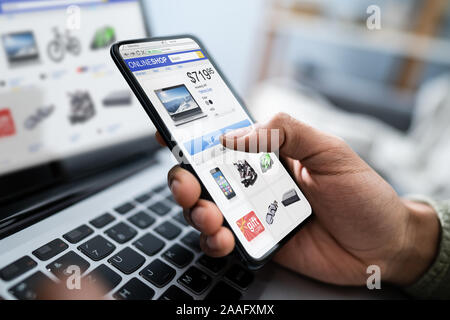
<point x="173" y="185"/>
<point x="171" y="175"/>
<point x="196" y="217"/>
<point x="212" y="243"/>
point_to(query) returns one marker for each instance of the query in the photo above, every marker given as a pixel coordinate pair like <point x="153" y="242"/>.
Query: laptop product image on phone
<point x="180" y="104"/>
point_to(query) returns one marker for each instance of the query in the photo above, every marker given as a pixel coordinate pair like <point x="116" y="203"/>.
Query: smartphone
<point x="191" y="104"/>
<point x="223" y="183"/>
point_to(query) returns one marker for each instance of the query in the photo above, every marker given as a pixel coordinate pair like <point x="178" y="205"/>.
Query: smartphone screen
<point x="255" y="193"/>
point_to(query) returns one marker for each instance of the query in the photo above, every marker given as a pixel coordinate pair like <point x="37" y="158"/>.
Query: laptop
<point x="82" y="179"/>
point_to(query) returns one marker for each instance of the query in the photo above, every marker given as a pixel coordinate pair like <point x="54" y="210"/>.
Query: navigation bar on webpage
<point x="163" y="60"/>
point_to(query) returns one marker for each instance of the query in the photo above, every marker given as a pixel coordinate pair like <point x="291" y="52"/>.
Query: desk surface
<point x="275" y="282"/>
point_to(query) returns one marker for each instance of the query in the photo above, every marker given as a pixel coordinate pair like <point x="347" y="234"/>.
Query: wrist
<point x="418" y="245"/>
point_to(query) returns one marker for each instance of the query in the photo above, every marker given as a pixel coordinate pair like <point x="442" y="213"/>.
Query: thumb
<point x="291" y="138"/>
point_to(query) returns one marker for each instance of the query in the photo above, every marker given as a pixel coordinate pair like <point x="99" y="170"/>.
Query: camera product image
<point x="289" y="197"/>
<point x="247" y="173"/>
<point x="266" y="162"/>
<point x="271" y="210"/>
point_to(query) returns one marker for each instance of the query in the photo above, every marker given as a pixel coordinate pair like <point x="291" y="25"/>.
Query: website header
<point x="163" y="60"/>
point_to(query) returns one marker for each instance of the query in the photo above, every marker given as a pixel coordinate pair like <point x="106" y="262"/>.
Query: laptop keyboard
<point x="142" y="249"/>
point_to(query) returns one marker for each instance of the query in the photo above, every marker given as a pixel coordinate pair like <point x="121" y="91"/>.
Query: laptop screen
<point x="60" y="93"/>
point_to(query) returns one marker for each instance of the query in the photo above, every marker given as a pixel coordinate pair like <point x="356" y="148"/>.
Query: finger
<point x="285" y="134"/>
<point x="219" y="244"/>
<point x="160" y="139"/>
<point x="187" y="216"/>
<point x="206" y="217"/>
<point x="184" y="186"/>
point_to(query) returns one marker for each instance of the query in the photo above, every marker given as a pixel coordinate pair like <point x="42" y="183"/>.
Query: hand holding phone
<point x="192" y="106"/>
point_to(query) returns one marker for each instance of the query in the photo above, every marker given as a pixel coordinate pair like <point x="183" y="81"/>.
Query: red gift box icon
<point x="7" y="127"/>
<point x="250" y="226"/>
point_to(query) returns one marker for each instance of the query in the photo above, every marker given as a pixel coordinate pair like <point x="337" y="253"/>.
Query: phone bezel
<point x="151" y="111"/>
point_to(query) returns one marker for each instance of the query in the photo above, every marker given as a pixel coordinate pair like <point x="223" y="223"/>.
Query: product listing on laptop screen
<point x="60" y="94"/>
<point x="258" y="198"/>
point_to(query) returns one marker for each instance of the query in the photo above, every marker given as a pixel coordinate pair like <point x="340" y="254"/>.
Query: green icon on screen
<point x="265" y="162"/>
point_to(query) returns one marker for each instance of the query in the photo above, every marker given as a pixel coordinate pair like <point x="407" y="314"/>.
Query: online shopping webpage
<point x="256" y="195"/>
<point x="60" y="93"/>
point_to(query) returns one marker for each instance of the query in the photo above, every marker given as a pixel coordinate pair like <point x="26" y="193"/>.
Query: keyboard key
<point x="160" y="208"/>
<point x="178" y="217"/>
<point x="126" y="207"/>
<point x="78" y="234"/>
<point x="60" y="265"/>
<point x="142" y="220"/>
<point x="127" y="260"/>
<point x="17" y="268"/>
<point x="134" y="289"/>
<point x="143" y="197"/>
<point x="149" y="244"/>
<point x="31" y="287"/>
<point x="158" y="273"/>
<point x="215" y="265"/>
<point x="103" y="277"/>
<point x="171" y="198"/>
<point x="97" y="248"/>
<point x="121" y="232"/>
<point x="50" y="249"/>
<point x="168" y="230"/>
<point x="192" y="240"/>
<point x="176" y="294"/>
<point x="178" y="255"/>
<point x="223" y="291"/>
<point x="102" y="220"/>
<point x="239" y="276"/>
<point x="161" y="188"/>
<point x="195" y="280"/>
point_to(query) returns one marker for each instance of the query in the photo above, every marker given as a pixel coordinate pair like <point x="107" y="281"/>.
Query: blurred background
<point x="375" y="73"/>
<point x="384" y="88"/>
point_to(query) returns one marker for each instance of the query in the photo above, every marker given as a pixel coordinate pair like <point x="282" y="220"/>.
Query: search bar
<point x="30" y="5"/>
<point x="186" y="56"/>
<point x="137" y="50"/>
